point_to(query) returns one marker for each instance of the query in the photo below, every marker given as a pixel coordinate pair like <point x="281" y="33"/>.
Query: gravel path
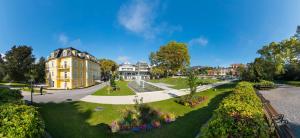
<point x="286" y="100"/>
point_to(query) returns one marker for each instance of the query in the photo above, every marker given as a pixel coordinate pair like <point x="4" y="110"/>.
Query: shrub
<point x="17" y="120"/>
<point x="8" y="95"/>
<point x="238" y="115"/>
<point x="191" y="100"/>
<point x="263" y="84"/>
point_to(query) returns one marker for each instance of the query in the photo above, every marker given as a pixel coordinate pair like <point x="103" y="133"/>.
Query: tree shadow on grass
<point x="67" y="120"/>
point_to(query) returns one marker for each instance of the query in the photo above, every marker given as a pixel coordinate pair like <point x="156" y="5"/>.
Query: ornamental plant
<point x="263" y="84"/>
<point x="20" y="121"/>
<point x="8" y="96"/>
<point x="141" y="117"/>
<point x="238" y="115"/>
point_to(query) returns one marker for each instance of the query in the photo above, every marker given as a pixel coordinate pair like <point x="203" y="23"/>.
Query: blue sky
<point x="218" y="32"/>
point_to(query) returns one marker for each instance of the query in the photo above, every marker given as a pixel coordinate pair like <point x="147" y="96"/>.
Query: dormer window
<point x="65" y="53"/>
<point x="52" y="55"/>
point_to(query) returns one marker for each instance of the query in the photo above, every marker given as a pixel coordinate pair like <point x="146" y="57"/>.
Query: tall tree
<point x="107" y="67"/>
<point x="18" y="62"/>
<point x="172" y="57"/>
<point x="2" y="73"/>
<point x="39" y="68"/>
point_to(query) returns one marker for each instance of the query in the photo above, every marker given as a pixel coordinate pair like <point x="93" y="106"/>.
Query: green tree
<point x="18" y="62"/>
<point x="40" y="70"/>
<point x="107" y="67"/>
<point x="156" y="72"/>
<point x="172" y="58"/>
<point x="2" y="71"/>
<point x="192" y="82"/>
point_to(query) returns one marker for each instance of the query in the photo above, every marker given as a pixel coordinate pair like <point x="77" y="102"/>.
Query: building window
<point x="52" y="64"/>
<point x="65" y="64"/>
<point x="52" y="74"/>
<point x="65" y="53"/>
<point x="66" y="75"/>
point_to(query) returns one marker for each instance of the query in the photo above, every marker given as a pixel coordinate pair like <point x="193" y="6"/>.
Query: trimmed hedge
<point x="20" y="121"/>
<point x="238" y="115"/>
<point x="8" y="96"/>
<point x="263" y="84"/>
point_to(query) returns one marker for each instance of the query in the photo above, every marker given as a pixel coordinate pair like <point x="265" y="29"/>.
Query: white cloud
<point x="139" y="17"/>
<point x="65" y="41"/>
<point x="123" y="59"/>
<point x="200" y="41"/>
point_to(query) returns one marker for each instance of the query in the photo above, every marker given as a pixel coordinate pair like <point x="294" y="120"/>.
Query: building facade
<point x="129" y="71"/>
<point x="232" y="70"/>
<point x="70" y="68"/>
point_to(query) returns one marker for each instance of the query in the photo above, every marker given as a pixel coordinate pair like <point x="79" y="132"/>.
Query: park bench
<point x="285" y="131"/>
<point x="276" y="120"/>
<point x="273" y="114"/>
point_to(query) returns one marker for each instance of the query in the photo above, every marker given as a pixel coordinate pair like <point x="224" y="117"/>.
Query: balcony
<point x="63" y="67"/>
<point x="63" y="78"/>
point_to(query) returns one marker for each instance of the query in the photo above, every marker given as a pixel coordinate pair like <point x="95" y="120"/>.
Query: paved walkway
<point x="57" y="96"/>
<point x="286" y="100"/>
<point x="147" y="96"/>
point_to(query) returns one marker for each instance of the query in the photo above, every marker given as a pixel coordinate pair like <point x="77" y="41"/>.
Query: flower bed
<point x="142" y="118"/>
<point x="191" y="100"/>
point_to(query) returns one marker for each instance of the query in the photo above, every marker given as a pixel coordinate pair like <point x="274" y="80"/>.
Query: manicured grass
<point x="294" y="83"/>
<point x="13" y="84"/>
<point x="27" y="89"/>
<point x="78" y="119"/>
<point x="124" y="90"/>
<point x="180" y="83"/>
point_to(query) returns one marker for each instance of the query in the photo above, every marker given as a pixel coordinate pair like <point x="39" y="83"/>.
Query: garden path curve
<point x="146" y="96"/>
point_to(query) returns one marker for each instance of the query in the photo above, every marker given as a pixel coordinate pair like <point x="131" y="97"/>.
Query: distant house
<point x="222" y="71"/>
<point x="130" y="71"/>
<point x="70" y="68"/>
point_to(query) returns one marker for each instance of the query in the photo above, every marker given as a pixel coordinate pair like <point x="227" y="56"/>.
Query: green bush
<point x="8" y="95"/>
<point x="263" y="84"/>
<point x="238" y="115"/>
<point x="191" y="100"/>
<point x="20" y="121"/>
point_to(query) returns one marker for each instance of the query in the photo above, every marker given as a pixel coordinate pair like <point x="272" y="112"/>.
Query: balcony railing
<point x="63" y="78"/>
<point x="64" y="67"/>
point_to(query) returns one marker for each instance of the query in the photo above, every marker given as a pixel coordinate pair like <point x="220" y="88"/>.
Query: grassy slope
<point x="179" y="83"/>
<point x="294" y="83"/>
<point x="124" y="90"/>
<point x="78" y="119"/>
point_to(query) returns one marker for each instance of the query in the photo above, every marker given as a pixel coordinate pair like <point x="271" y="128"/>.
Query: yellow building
<point x="70" y="68"/>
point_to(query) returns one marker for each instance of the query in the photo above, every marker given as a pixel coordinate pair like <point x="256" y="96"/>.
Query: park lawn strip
<point x="35" y="90"/>
<point x="78" y="119"/>
<point x="124" y="90"/>
<point x="13" y="84"/>
<point x="180" y="83"/>
<point x="293" y="83"/>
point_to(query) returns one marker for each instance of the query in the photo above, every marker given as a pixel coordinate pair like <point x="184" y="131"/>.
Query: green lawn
<point x="36" y="90"/>
<point x="124" y="90"/>
<point x="13" y="84"/>
<point x="180" y="83"/>
<point x="78" y="119"/>
<point x="294" y="83"/>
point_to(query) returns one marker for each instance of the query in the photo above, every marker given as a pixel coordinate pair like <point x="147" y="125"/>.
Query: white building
<point x="130" y="71"/>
